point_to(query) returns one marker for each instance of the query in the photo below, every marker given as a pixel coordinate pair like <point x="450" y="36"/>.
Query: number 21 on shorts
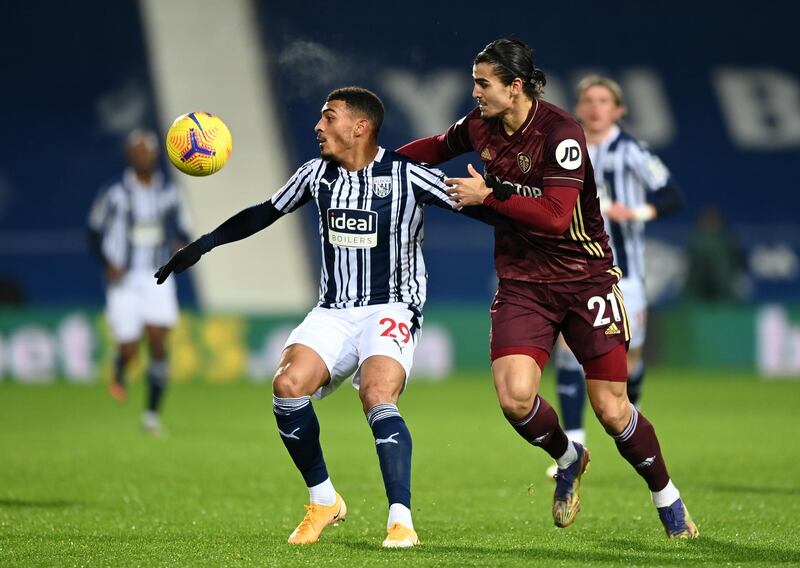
<point x="599" y="303"/>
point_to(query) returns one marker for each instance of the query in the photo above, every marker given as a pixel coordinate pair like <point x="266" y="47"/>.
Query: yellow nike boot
<point x="400" y="536"/>
<point x="317" y="518"/>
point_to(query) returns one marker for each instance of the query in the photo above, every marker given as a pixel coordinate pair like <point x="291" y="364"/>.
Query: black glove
<point x="180" y="261"/>
<point x="502" y="190"/>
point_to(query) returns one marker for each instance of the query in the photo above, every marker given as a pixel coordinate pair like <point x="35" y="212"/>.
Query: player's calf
<point x="639" y="445"/>
<point x="117" y="388"/>
<point x="157" y="378"/>
<point x="635" y="380"/>
<point x="540" y="427"/>
<point x="299" y="430"/>
<point x="393" y="445"/>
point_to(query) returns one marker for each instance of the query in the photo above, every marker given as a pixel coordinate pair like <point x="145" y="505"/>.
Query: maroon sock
<point x="639" y="445"/>
<point x="540" y="427"/>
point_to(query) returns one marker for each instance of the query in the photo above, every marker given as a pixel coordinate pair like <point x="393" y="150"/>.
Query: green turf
<point x="81" y="486"/>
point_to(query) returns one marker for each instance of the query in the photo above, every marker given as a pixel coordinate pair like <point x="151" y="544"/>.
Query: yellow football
<point x="199" y="143"/>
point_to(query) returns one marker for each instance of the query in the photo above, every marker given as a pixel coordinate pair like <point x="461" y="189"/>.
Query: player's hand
<point x="468" y="191"/>
<point x="502" y="190"/>
<point x="180" y="261"/>
<point x="618" y="212"/>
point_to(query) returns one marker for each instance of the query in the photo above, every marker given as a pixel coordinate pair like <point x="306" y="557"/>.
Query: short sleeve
<point x="457" y="136"/>
<point x="428" y="186"/>
<point x="100" y="211"/>
<point x="648" y="167"/>
<point x="565" y="156"/>
<point x="296" y="191"/>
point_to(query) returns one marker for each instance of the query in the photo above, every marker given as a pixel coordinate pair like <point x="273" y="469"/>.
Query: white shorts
<point x="345" y="338"/>
<point x="633" y="293"/>
<point x="135" y="301"/>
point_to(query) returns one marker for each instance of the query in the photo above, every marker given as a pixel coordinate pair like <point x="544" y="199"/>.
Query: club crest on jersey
<point x="524" y="162"/>
<point x="352" y="228"/>
<point x="382" y="186"/>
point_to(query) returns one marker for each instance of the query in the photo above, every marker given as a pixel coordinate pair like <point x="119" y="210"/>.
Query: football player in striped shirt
<point x="634" y="188"/>
<point x="134" y="225"/>
<point x="555" y="271"/>
<point x="372" y="291"/>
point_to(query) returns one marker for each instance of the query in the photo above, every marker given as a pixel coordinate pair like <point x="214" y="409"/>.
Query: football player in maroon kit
<point x="555" y="271"/>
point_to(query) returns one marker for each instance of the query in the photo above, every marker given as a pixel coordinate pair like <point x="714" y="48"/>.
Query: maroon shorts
<point x="527" y="317"/>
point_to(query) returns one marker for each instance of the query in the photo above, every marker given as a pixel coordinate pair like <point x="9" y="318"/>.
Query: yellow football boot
<point x="400" y="536"/>
<point x="317" y="518"/>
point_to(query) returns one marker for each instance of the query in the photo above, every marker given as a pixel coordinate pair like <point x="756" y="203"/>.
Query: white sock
<point x="399" y="514"/>
<point x="569" y="457"/>
<point x="666" y="496"/>
<point x="577" y="435"/>
<point x="324" y="493"/>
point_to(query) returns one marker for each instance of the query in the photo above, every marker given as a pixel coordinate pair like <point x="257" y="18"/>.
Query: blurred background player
<point x="716" y="265"/>
<point x="372" y="289"/>
<point x="634" y="188"/>
<point x="555" y="271"/>
<point x="134" y="225"/>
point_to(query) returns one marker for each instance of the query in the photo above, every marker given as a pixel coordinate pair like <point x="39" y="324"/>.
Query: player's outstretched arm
<point x="442" y="147"/>
<point x="551" y="213"/>
<point x="430" y="189"/>
<point x="432" y="150"/>
<point x="240" y="226"/>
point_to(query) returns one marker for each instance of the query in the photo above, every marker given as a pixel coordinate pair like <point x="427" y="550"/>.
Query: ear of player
<point x="199" y="143"/>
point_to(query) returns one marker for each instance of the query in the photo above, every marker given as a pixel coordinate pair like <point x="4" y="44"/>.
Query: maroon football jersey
<point x="548" y="150"/>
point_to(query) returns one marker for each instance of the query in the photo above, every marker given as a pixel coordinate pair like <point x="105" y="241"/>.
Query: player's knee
<point x="515" y="397"/>
<point x="373" y="395"/>
<point x="158" y="352"/>
<point x="288" y="383"/>
<point x="158" y="348"/>
<point x="613" y="414"/>
<point x="128" y="352"/>
<point x="515" y="392"/>
<point x="515" y="404"/>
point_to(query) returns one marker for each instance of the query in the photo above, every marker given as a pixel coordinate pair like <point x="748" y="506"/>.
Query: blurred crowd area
<point x="723" y="114"/>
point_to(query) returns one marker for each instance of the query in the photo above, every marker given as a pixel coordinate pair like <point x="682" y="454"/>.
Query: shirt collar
<point x="613" y="134"/>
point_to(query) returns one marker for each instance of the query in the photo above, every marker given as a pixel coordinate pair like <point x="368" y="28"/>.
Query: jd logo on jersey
<point x="568" y="154"/>
<point x="382" y="186"/>
<point x="352" y="228"/>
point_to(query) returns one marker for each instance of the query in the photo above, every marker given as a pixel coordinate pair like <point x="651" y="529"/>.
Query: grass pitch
<point x="80" y="485"/>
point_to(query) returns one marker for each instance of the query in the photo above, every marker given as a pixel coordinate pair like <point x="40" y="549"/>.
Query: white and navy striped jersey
<point x="138" y="225"/>
<point x="370" y="226"/>
<point x="627" y="172"/>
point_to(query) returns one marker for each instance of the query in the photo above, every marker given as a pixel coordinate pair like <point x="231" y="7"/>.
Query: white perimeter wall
<point x="206" y="55"/>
